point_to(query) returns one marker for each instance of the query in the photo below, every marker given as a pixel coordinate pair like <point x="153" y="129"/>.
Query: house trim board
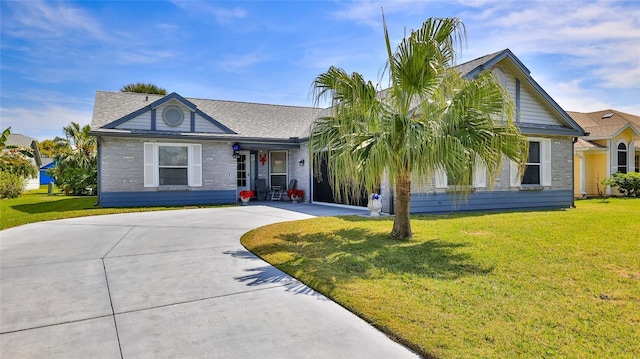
<point x="167" y="198"/>
<point x="491" y="200"/>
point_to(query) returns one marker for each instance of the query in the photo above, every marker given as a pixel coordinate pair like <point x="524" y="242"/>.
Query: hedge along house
<point x="170" y="150"/>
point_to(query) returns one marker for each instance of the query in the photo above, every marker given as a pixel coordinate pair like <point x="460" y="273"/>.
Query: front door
<point x="244" y="171"/>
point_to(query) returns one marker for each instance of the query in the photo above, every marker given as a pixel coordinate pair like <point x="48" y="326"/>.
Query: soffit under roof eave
<point x="550" y="131"/>
<point x="199" y="136"/>
<point x="590" y="149"/>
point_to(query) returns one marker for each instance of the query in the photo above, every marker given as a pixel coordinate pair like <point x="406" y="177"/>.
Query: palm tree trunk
<point x="401" y="223"/>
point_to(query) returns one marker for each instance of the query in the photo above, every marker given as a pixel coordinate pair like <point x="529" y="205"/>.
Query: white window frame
<point x="152" y="169"/>
<point x="545" y="165"/>
<point x="479" y="178"/>
<point x="626" y="156"/>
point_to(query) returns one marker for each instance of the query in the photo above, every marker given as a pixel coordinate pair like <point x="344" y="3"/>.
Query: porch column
<point x="612" y="150"/>
<point x="583" y="187"/>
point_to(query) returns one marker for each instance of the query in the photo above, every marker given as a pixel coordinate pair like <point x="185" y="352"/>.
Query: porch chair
<point x="261" y="189"/>
<point x="282" y="192"/>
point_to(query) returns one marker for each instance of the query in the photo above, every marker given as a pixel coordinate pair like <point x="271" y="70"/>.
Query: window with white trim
<point x="538" y="166"/>
<point x="172" y="164"/>
<point x="637" y="163"/>
<point x="534" y="166"/>
<point x="622" y="158"/>
<point x="478" y="178"/>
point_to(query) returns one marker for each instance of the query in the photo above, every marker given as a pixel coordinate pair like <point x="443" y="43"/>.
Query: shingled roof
<point x="16" y="139"/>
<point x="604" y="124"/>
<point x="260" y="121"/>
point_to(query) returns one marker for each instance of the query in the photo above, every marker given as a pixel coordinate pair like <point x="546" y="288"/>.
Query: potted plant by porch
<point x="245" y="196"/>
<point x="295" y="195"/>
<point x="374" y="205"/>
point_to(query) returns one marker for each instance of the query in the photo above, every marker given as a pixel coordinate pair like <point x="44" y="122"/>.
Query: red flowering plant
<point x="295" y="193"/>
<point x="246" y="194"/>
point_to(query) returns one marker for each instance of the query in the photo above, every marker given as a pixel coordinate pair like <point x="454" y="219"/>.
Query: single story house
<point x="172" y="150"/>
<point x="16" y="139"/>
<point x="47" y="164"/>
<point x="613" y="145"/>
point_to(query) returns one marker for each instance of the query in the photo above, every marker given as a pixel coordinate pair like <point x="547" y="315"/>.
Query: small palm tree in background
<point x="76" y="161"/>
<point x="140" y="87"/>
<point x="429" y="118"/>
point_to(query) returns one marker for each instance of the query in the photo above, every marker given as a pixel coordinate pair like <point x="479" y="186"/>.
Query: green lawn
<point x="544" y="284"/>
<point x="37" y="206"/>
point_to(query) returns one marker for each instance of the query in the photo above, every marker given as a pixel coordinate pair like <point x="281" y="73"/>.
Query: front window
<point x="532" y="171"/>
<point x="637" y="163"/>
<point x="173" y="165"/>
<point x="622" y="158"/>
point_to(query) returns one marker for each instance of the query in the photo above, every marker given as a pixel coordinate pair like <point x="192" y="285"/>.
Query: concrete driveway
<point x="173" y="284"/>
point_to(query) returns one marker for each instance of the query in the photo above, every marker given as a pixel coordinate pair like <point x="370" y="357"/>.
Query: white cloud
<point x="206" y="10"/>
<point x="239" y="62"/>
<point x="42" y="123"/>
<point x="38" y="19"/>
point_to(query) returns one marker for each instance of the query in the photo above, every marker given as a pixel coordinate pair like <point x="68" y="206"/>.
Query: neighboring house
<point x="47" y="164"/>
<point x="613" y="145"/>
<point x="15" y="139"/>
<point x="171" y="150"/>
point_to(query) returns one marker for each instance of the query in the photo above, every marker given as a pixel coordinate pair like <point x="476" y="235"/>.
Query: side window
<point x="533" y="169"/>
<point x="622" y="158"/>
<point x="538" y="166"/>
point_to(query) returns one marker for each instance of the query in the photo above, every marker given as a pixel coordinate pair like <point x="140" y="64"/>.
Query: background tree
<point x="140" y="87"/>
<point x="76" y="161"/>
<point x="49" y="148"/>
<point x="429" y="118"/>
<point x="15" y="167"/>
<point x="16" y="159"/>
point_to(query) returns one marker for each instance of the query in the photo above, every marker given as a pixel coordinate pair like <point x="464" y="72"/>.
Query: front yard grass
<point x="37" y="206"/>
<point x="542" y="284"/>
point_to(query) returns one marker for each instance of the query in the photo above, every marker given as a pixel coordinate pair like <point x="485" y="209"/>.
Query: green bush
<point x="11" y="185"/>
<point x="76" y="181"/>
<point x="627" y="183"/>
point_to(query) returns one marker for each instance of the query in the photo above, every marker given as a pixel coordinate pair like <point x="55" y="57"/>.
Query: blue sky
<point x="55" y="55"/>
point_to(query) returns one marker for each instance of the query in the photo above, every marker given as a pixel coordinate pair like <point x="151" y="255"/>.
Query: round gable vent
<point x="173" y="116"/>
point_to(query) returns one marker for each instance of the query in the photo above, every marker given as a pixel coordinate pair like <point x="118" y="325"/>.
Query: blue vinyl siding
<point x="44" y="176"/>
<point x="166" y="198"/>
<point x="483" y="201"/>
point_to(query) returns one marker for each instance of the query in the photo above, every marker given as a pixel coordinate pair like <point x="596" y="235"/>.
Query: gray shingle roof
<point x="16" y="139"/>
<point x="469" y="66"/>
<point x="599" y="127"/>
<point x="244" y="118"/>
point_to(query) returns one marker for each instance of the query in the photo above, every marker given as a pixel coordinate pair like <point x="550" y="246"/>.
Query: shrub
<point x="11" y="185"/>
<point x="627" y="183"/>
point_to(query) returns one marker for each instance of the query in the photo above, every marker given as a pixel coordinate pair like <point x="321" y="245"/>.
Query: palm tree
<point x="430" y="118"/>
<point x="140" y="87"/>
<point x="76" y="160"/>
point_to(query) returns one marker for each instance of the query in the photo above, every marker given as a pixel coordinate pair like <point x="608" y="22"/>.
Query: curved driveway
<point x="170" y="284"/>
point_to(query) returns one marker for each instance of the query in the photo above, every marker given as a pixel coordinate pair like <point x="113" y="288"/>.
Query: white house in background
<point x="172" y="150"/>
<point x="15" y="139"/>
